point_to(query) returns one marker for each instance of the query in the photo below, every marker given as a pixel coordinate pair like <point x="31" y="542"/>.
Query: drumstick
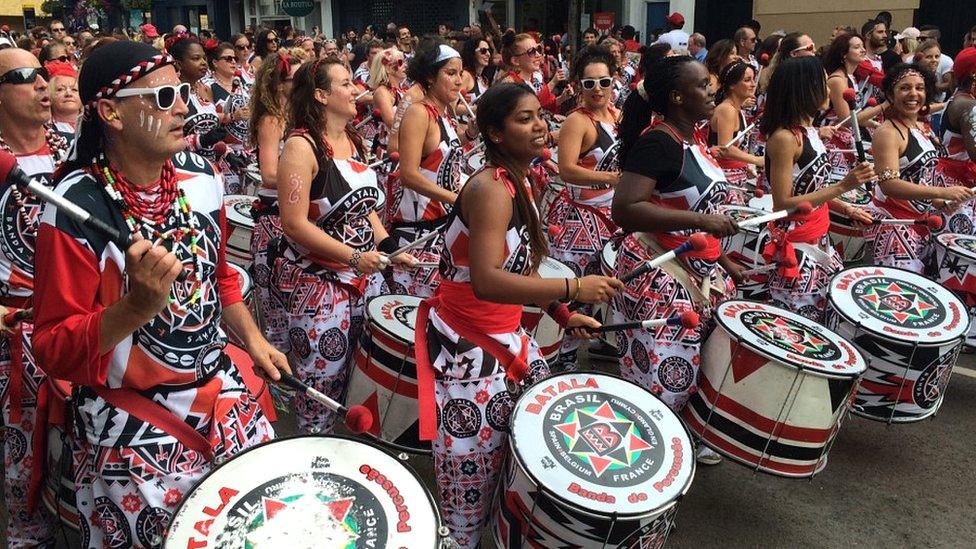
<point x="372" y="116"/>
<point x="357" y="418"/>
<point x="425" y="264"/>
<point x="871" y="102"/>
<point x="409" y="246"/>
<point x="801" y="208"/>
<point x="749" y="273"/>
<point x="394" y="157"/>
<point x="740" y="136"/>
<point x="759" y="193"/>
<point x="696" y="242"/>
<point x="465" y="101"/>
<point x="851" y="97"/>
<point x="933" y="222"/>
<point x="360" y="96"/>
<point x="687" y="319"/>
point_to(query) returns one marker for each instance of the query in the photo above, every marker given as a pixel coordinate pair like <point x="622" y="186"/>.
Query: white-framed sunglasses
<point x="592" y="83"/>
<point x="165" y="95"/>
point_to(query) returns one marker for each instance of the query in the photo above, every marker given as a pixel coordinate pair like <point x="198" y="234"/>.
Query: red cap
<point x="965" y="64"/>
<point x="676" y="19"/>
<point x="149" y="30"/>
<point x="5" y="28"/>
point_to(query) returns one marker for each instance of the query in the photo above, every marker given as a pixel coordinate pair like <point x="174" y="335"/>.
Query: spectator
<point x="942" y="78"/>
<point x="405" y="41"/>
<point x="149" y="33"/>
<point x="875" y="36"/>
<point x="362" y="72"/>
<point x="444" y="29"/>
<point x="745" y="43"/>
<point x="57" y="29"/>
<point x="721" y="55"/>
<point x="696" y="46"/>
<point x="590" y="37"/>
<point x="908" y="39"/>
<point x="628" y="35"/>
<point x="677" y="38"/>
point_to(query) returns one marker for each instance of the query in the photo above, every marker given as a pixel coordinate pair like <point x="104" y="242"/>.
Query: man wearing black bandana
<point x="158" y="399"/>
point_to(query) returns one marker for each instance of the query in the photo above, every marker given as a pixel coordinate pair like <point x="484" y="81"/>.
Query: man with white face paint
<point x="158" y="401"/>
<point x="25" y="111"/>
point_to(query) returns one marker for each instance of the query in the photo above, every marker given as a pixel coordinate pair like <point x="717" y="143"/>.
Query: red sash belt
<point x="960" y="170"/>
<point x="473" y="319"/>
<point x="729" y="164"/>
<point x="810" y="228"/>
<point x="671" y="241"/>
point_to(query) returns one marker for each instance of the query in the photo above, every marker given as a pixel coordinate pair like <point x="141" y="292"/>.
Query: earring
<point x="112" y="116"/>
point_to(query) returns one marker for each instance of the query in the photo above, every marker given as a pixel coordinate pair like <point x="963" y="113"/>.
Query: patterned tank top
<point x="954" y="146"/>
<point x="602" y="157"/>
<point x="442" y="166"/>
<point x="916" y="165"/>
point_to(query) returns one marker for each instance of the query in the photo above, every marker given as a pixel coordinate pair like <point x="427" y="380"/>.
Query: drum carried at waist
<point x="955" y="258"/>
<point x="773" y="388"/>
<point x="910" y="330"/>
<point x="384" y="373"/>
<point x="851" y="241"/>
<point x="308" y="492"/>
<point x="542" y="327"/>
<point x="745" y="248"/>
<point x="240" y="225"/>
<point x="595" y="461"/>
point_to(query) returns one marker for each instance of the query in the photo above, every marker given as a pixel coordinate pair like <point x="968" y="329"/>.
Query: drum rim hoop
<point x="963" y="253"/>
<point x="514" y="454"/>
<point x="370" y="323"/>
<point x="930" y="343"/>
<point x="804" y="368"/>
<point x="214" y="468"/>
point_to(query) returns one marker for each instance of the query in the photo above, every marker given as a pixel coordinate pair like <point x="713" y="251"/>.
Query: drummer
<point x="957" y="166"/>
<point x="156" y="398"/>
<point x="797" y="168"/>
<point x="523" y="56"/>
<point x="736" y="93"/>
<point x="386" y="76"/>
<point x="472" y="343"/>
<point x="430" y="162"/>
<point x="905" y="158"/>
<point x="328" y="265"/>
<point x="579" y="218"/>
<point x="269" y="100"/>
<point x="670" y="187"/>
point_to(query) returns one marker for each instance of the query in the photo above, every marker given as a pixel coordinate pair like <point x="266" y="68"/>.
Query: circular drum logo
<point x="603" y="439"/>
<point x="899" y="302"/>
<point x="317" y="509"/>
<point x="791" y="336"/>
<point x="968" y="244"/>
<point x="931" y="384"/>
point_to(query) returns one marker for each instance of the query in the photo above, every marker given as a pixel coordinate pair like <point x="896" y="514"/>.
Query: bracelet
<point x="566" y="298"/>
<point x="888" y="174"/>
<point x="579" y="286"/>
<point x="354" y="262"/>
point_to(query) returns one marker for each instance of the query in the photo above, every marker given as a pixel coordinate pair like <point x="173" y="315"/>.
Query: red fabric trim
<point x="39" y="445"/>
<point x="548" y="99"/>
<point x="15" y="389"/>
<point x="960" y="170"/>
<point x="460" y="307"/>
<point x="67" y="310"/>
<point x="671" y="241"/>
<point x="809" y="230"/>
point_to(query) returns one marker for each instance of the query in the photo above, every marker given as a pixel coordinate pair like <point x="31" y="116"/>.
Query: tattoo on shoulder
<point x="970" y="118"/>
<point x="294" y="188"/>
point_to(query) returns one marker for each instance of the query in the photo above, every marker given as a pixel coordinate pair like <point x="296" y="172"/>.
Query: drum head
<point x="394" y="314"/>
<point x="789" y="338"/>
<point x="960" y="244"/>
<point x="898" y="305"/>
<point x="741" y="213"/>
<point x="602" y="444"/>
<point x="238" y="209"/>
<point x="550" y="268"/>
<point x="307" y="492"/>
<point x="244" y="277"/>
<point x="608" y="258"/>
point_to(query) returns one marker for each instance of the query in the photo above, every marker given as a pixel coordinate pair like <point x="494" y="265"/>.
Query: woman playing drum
<point x="670" y="187"/>
<point x="957" y="166"/>
<point x="579" y="218"/>
<point x="523" y="56"/>
<point x="476" y="59"/>
<point x="905" y="157"/>
<point x="328" y="265"/>
<point x="737" y="91"/>
<point x="797" y="167"/>
<point x="430" y="163"/>
<point x="469" y="339"/>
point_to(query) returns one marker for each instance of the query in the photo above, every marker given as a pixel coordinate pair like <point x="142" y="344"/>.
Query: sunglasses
<point x="228" y="58"/>
<point x="68" y="43"/>
<point x="242" y="47"/>
<point x="165" y="95"/>
<point x="483" y="51"/>
<point x="58" y="30"/>
<point x="809" y="47"/>
<point x="24" y="75"/>
<point x="272" y="40"/>
<point x="532" y="52"/>
<point x="62" y="58"/>
<point x="591" y="83"/>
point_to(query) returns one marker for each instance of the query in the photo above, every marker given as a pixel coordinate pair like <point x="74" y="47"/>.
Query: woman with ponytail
<point x="327" y="265"/>
<point x="669" y="189"/>
<point x="469" y="339"/>
<point x="736" y="94"/>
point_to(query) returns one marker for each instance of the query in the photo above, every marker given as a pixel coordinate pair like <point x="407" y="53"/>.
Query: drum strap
<point x="696" y="289"/>
<point x="156" y="415"/>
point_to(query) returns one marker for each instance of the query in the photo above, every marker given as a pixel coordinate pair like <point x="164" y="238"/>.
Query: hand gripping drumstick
<point x="411" y="245"/>
<point x="357" y="418"/>
<point x="11" y="174"/>
<point x="696" y="242"/>
<point x="742" y="134"/>
<point x="801" y="208"/>
<point x="465" y="101"/>
<point x="933" y="222"/>
<point x="687" y="319"/>
<point x="871" y="103"/>
<point x="394" y="157"/>
<point x="362" y="95"/>
<point x="749" y="273"/>
<point x="373" y="115"/>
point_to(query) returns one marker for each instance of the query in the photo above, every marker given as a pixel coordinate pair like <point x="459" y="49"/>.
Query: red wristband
<point x="560" y="313"/>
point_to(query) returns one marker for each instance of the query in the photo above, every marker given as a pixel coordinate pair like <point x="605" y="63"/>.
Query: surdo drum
<point x="601" y="312"/>
<point x="252" y="178"/>
<point x="773" y="388"/>
<point x="384" y="374"/>
<point x="955" y="256"/>
<point x="745" y="248"/>
<point x="594" y="461"/>
<point x="306" y="492"/>
<point x="546" y="331"/>
<point x="850" y="240"/>
<point x="240" y="225"/>
<point x="909" y="328"/>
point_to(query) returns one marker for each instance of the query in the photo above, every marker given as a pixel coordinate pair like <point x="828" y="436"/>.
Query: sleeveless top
<point x="342" y="195"/>
<point x="916" y="165"/>
<point x="713" y="135"/>
<point x="455" y="256"/>
<point x="602" y="157"/>
<point x="480" y="86"/>
<point x="442" y="166"/>
<point x="953" y="144"/>
<point x="201" y="118"/>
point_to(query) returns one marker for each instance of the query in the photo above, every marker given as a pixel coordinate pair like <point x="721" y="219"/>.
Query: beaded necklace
<point x="58" y="146"/>
<point x="146" y="209"/>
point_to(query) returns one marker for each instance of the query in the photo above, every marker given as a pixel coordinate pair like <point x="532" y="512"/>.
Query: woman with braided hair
<point x="670" y="188"/>
<point x="327" y="265"/>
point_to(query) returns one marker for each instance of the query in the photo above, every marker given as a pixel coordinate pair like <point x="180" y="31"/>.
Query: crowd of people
<point x="498" y="148"/>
